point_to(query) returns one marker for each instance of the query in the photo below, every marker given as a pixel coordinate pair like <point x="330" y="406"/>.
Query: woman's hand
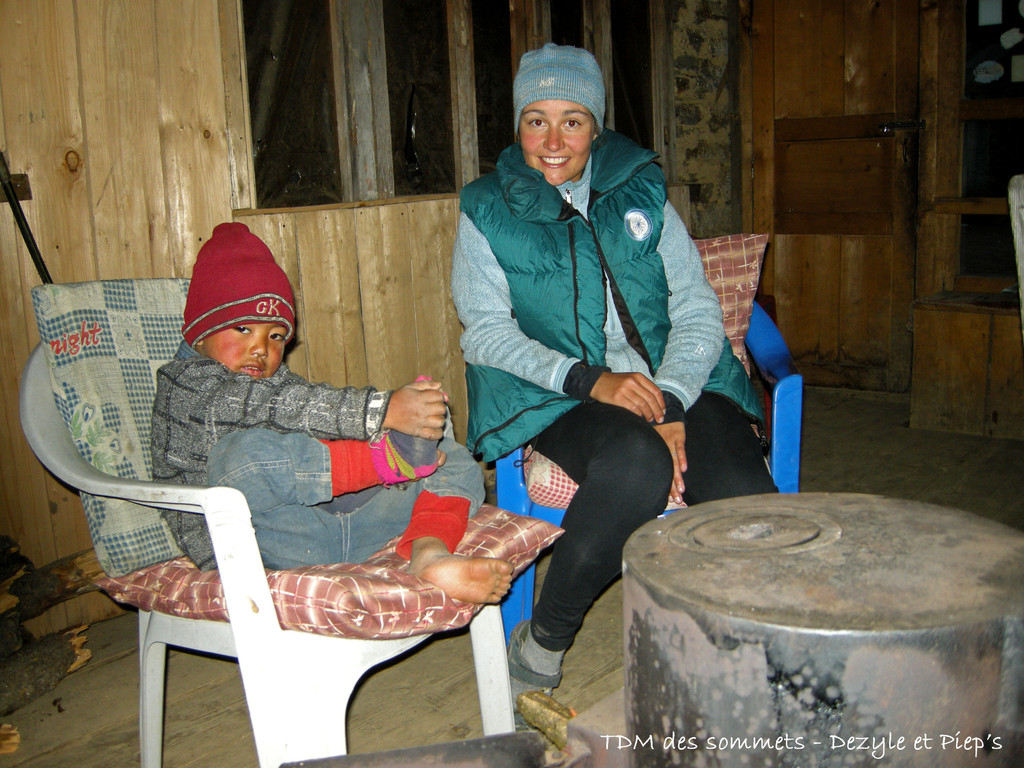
<point x="674" y="435"/>
<point x="418" y="409"/>
<point x="632" y="391"/>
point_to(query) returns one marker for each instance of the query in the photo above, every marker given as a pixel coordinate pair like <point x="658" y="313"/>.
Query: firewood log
<point x="547" y="715"/>
<point x="39" y="666"/>
<point x="10" y="739"/>
<point x="27" y="592"/>
<point x="11" y="559"/>
<point x="39" y="589"/>
<point x="12" y="634"/>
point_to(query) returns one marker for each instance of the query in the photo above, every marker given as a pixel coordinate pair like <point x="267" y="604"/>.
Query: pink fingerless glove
<point x="401" y="458"/>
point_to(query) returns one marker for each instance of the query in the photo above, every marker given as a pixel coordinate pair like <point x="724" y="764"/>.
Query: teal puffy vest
<point x="555" y="262"/>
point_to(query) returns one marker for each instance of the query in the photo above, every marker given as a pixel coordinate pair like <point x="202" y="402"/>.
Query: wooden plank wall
<point x="130" y="120"/>
<point x="839" y="271"/>
<point x="135" y="149"/>
<point x="116" y="113"/>
<point x="372" y="281"/>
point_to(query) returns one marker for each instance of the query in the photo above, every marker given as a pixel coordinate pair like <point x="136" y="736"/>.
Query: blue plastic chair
<point x="783" y="383"/>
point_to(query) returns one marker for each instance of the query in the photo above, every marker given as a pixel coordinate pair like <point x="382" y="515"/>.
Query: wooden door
<point x="834" y="88"/>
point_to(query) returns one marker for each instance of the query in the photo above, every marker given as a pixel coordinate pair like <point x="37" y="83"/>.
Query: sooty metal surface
<point x="824" y="630"/>
<point x="513" y="750"/>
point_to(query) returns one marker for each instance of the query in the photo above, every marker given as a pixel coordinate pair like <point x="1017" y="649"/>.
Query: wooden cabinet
<point x="969" y="364"/>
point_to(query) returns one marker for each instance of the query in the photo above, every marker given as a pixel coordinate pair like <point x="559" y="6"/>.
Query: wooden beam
<point x="463" y="89"/>
<point x="529" y="27"/>
<point x="597" y="38"/>
<point x="762" y="118"/>
<point x="905" y="29"/>
<point x="362" y="33"/>
<point x="838" y="127"/>
<point x="373" y="13"/>
<point x="343" y="118"/>
<point x="996" y="206"/>
<point x="236" y="105"/>
<point x="938" y="237"/>
<point x="744" y="87"/>
<point x="991" y="109"/>
<point x="662" y="89"/>
<point x="20" y="186"/>
<point x="540" y="23"/>
<point x="517" y="29"/>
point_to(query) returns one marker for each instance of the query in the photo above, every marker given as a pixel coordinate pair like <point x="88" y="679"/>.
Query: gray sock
<point x="539" y="659"/>
<point x="418" y="451"/>
<point x="531" y="659"/>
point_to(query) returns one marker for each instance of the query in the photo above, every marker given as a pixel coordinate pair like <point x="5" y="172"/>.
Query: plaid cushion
<point x="374" y="599"/>
<point x="732" y="264"/>
<point x="548" y="485"/>
<point x="104" y="342"/>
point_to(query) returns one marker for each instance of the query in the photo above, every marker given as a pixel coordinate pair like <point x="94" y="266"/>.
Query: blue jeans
<point x="286" y="479"/>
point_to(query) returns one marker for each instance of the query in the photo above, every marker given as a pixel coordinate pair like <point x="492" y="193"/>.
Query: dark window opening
<point x="986" y="246"/>
<point x="419" y="93"/>
<point x="291" y="103"/>
<point x="992" y="152"/>
<point x="567" y="22"/>
<point x="631" y="66"/>
<point x="316" y="117"/>
<point x="492" y="54"/>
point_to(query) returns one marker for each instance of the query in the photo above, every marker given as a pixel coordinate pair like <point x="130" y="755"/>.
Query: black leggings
<point x="624" y="471"/>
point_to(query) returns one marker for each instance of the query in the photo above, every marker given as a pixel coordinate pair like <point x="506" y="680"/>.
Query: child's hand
<point x="418" y="409"/>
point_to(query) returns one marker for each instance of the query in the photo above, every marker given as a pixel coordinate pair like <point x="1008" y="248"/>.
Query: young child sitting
<point x="330" y="474"/>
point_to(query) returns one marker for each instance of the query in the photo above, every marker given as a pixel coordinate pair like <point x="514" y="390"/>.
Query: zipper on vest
<point x="512" y="419"/>
<point x="576" y="291"/>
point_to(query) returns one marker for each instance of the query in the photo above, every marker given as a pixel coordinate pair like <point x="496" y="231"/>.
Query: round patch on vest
<point x="638" y="224"/>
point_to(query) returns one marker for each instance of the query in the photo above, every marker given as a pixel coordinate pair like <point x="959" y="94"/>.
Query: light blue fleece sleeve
<point x="697" y="334"/>
<point x="491" y="335"/>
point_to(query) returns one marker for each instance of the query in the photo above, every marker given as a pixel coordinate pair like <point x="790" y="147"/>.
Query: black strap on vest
<point x="625" y="318"/>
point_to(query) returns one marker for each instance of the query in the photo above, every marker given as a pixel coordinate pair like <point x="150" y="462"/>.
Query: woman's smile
<point x="555" y="137"/>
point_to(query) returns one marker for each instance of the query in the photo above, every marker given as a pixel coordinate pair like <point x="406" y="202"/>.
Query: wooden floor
<point x="853" y="442"/>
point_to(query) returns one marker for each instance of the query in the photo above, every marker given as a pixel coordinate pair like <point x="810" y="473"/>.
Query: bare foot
<point x="469" y="579"/>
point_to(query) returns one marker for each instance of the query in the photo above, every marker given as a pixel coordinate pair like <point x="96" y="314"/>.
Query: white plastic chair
<point x="297" y="684"/>
<point x="1015" y="194"/>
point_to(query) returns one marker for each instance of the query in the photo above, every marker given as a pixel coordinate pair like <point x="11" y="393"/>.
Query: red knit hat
<point x="236" y="280"/>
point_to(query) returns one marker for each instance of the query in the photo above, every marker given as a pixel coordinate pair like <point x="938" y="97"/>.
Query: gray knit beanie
<point x="562" y="73"/>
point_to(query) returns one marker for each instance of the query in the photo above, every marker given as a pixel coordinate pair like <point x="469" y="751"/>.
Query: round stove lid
<point x="833" y="562"/>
